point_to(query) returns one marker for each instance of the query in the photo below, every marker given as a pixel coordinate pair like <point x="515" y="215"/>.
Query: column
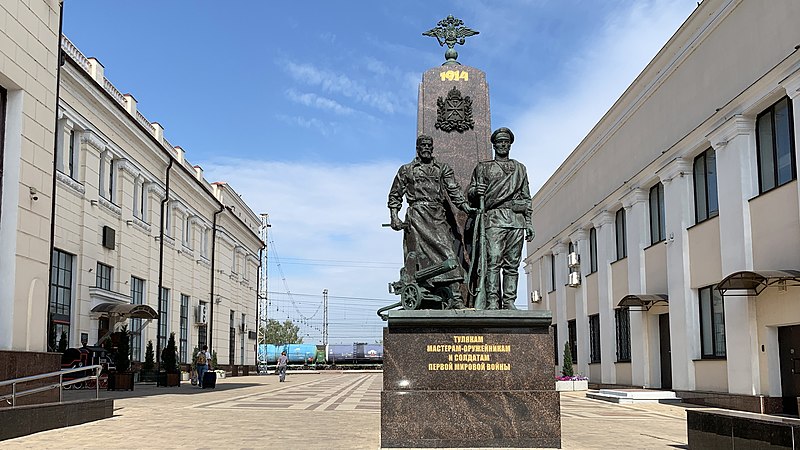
<point x="792" y="86"/>
<point x="684" y="325"/>
<point x="604" y="224"/>
<point x="637" y="214"/>
<point x="580" y="240"/>
<point x="560" y="253"/>
<point x="737" y="183"/>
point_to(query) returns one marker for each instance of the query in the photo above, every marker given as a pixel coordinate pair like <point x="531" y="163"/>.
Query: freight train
<point x="353" y="356"/>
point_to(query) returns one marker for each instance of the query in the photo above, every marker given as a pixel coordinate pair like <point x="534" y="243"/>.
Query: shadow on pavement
<point x="150" y="390"/>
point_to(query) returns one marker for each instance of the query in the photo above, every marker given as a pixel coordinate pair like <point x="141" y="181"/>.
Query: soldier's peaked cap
<point x="502" y="130"/>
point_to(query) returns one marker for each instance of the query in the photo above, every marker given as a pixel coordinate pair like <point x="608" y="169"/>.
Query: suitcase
<point x="209" y="380"/>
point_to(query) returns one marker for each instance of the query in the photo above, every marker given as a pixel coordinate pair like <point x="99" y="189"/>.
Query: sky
<point x="307" y="109"/>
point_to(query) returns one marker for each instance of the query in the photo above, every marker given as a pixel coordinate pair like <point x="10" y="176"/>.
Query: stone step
<point x="634" y="396"/>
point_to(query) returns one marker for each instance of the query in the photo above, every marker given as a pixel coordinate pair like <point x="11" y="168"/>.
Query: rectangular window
<point x="623" y="320"/>
<point x="71" y="156"/>
<point x="775" y="146"/>
<point x="573" y="339"/>
<point x="163" y="317"/>
<point x="594" y="338"/>
<point x="137" y="298"/>
<point x="657" y="226"/>
<point x="712" y="323"/>
<point x="104" y="276"/>
<point x="706" y="204"/>
<point x="241" y="340"/>
<point x="232" y="341"/>
<point x="202" y="335"/>
<point x="552" y="273"/>
<point x="621" y="230"/>
<point x="593" y="250"/>
<point x="111" y="177"/>
<point x="60" y="304"/>
<point x="184" y="340"/>
<point x="555" y="344"/>
<point x="143" y="203"/>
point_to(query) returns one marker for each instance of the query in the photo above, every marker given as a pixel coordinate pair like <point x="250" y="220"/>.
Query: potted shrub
<point x="149" y="364"/>
<point x="122" y="377"/>
<point x="568" y="381"/>
<point x="170" y="374"/>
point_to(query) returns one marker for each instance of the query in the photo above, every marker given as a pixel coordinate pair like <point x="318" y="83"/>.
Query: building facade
<point x="141" y="238"/>
<point x="668" y="241"/>
<point x="28" y="87"/>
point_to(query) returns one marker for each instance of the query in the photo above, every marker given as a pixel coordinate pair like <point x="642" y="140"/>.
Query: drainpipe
<point x="161" y="263"/>
<point x="213" y="277"/>
<point x="55" y="168"/>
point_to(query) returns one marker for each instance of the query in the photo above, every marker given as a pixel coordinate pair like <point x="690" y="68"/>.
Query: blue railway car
<point x="299" y="354"/>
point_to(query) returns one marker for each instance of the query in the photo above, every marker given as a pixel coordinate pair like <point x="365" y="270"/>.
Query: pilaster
<point x="683" y="314"/>
<point x="560" y="252"/>
<point x="636" y="215"/>
<point x="579" y="238"/>
<point x="604" y="224"/>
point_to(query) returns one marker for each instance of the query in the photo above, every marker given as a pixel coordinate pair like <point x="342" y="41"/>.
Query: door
<point x="666" y="354"/>
<point x="789" y="355"/>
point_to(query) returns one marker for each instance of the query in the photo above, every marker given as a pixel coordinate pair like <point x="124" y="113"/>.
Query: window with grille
<point x="623" y="321"/>
<point x="232" y="341"/>
<point x="163" y="317"/>
<point x="573" y="339"/>
<point x="594" y="338"/>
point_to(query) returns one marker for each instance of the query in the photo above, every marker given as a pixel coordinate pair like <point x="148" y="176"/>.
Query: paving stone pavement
<point x="317" y="411"/>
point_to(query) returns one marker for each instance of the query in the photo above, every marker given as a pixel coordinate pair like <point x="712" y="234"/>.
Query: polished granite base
<point x="469" y="379"/>
<point x="719" y="428"/>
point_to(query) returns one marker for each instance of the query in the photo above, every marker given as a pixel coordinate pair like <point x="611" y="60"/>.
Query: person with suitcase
<point x="283" y="361"/>
<point x="203" y="363"/>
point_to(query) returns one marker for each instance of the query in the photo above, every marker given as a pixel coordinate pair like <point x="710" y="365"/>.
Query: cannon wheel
<point x="411" y="297"/>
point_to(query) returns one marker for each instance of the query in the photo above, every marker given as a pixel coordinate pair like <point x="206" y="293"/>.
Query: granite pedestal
<point x="469" y="379"/>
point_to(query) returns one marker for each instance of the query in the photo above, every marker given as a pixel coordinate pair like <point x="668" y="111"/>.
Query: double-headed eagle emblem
<point x="450" y="31"/>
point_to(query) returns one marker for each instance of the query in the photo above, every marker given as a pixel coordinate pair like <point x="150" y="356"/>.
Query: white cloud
<point x="325" y="212"/>
<point x="332" y="82"/>
<point x="547" y="132"/>
<point x="316" y="101"/>
<point x="312" y="123"/>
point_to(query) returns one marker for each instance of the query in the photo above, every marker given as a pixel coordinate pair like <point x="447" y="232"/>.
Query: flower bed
<point x="573" y="383"/>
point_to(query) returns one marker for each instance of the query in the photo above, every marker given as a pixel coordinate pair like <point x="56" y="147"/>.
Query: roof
<point x="126" y="310"/>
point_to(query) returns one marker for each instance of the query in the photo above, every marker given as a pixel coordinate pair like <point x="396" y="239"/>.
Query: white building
<point x="682" y="204"/>
<point x="116" y="173"/>
<point x="28" y="71"/>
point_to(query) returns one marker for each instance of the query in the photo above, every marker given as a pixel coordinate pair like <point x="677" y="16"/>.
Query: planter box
<point x="184" y="376"/>
<point x="581" y="385"/>
<point x="220" y="373"/>
<point x="120" y="382"/>
<point x="169" y="379"/>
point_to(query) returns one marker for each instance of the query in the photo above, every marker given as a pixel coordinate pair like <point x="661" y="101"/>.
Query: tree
<point x="62" y="343"/>
<point x="566" y="369"/>
<point x="281" y="333"/>
<point x="149" y="358"/>
<point x="169" y="357"/>
<point x="122" y="359"/>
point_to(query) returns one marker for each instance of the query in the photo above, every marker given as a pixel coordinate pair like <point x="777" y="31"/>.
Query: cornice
<point x="636" y="195"/>
<point x="578" y="235"/>
<point x="93" y="140"/>
<point x="738" y="125"/>
<point x="602" y="218"/>
<point x="106" y="203"/>
<point x="676" y="167"/>
<point x="67" y="181"/>
<point x="157" y="190"/>
<point x="559" y="248"/>
<point x="127" y="166"/>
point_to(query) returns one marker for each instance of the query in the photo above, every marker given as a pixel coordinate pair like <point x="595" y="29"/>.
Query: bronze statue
<point x="431" y="273"/>
<point x="500" y="190"/>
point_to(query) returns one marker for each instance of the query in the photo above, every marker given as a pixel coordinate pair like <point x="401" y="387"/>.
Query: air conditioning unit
<point x="574" y="279"/>
<point x="202" y="314"/>
<point x="536" y="297"/>
<point x="573" y="260"/>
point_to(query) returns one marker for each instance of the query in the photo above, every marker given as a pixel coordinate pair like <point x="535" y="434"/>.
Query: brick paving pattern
<point x="318" y="411"/>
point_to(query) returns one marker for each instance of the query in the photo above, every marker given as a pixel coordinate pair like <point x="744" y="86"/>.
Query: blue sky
<point x="308" y="108"/>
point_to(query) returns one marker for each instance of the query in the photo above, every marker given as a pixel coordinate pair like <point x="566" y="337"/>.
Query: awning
<point x="126" y="310"/>
<point x="644" y="301"/>
<point x="746" y="282"/>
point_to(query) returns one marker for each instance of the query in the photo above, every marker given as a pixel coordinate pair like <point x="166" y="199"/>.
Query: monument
<point x="455" y="376"/>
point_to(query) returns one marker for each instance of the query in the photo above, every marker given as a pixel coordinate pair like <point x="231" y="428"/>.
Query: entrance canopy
<point x="126" y="311"/>
<point x="746" y="283"/>
<point x="643" y="301"/>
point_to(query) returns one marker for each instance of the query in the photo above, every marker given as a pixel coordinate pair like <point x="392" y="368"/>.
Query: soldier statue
<point x="500" y="190"/>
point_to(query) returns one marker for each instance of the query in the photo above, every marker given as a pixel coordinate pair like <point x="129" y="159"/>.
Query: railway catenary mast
<point x="263" y="301"/>
<point x="325" y="318"/>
